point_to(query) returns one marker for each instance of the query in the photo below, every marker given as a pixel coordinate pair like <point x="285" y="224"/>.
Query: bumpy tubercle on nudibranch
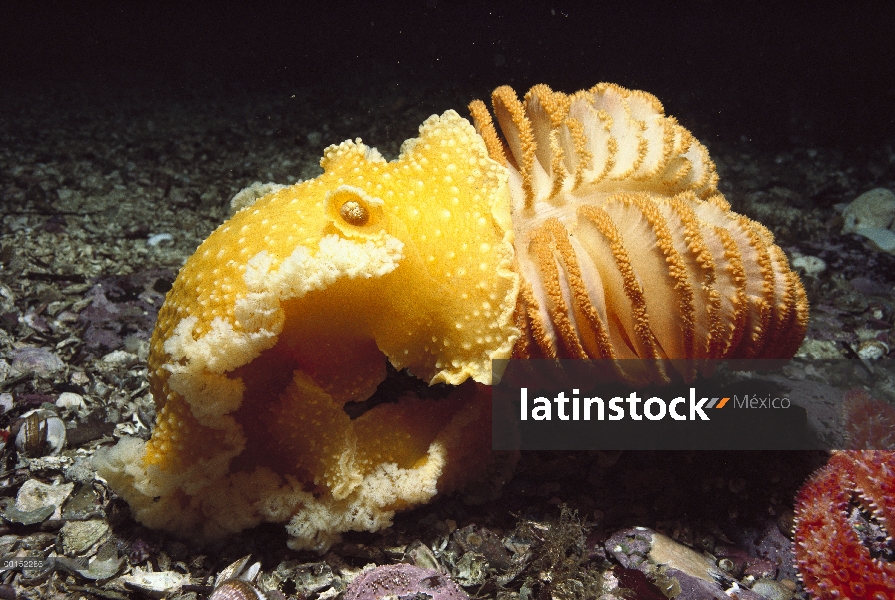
<point x="463" y="250"/>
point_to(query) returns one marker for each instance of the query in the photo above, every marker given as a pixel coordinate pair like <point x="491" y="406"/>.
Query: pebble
<point x="881" y="239"/>
<point x="14" y="515"/>
<point x="810" y="265"/>
<point x="35" y="495"/>
<point x="80" y="470"/>
<point x="158" y="238"/>
<point x="47" y="465"/>
<point x="872" y="215"/>
<point x="71" y="401"/>
<point x="79" y="536"/>
<point x="36" y="361"/>
<point x="309" y="579"/>
<point x="772" y="590"/>
<point x="471" y="569"/>
<point x="106" y="563"/>
<point x="119" y="358"/>
<point x="874" y="209"/>
<point x="84" y="503"/>
<point x="155" y="585"/>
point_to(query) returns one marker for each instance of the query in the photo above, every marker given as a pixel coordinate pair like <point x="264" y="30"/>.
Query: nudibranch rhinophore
<point x="592" y="228"/>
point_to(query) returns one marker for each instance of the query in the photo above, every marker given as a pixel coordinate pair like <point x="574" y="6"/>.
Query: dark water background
<point x="776" y="72"/>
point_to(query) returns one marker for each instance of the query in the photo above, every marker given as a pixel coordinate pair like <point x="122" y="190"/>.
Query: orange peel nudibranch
<point x="291" y="310"/>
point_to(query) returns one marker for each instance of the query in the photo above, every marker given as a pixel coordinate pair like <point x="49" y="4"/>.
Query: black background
<point x="779" y="72"/>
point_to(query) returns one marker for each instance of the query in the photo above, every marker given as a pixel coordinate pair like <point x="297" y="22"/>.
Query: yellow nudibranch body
<point x="571" y="237"/>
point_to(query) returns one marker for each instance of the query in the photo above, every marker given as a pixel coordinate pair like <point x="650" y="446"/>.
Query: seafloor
<point x="106" y="192"/>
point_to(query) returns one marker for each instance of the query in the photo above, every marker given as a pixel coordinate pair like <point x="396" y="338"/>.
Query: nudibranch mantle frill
<point x="593" y="229"/>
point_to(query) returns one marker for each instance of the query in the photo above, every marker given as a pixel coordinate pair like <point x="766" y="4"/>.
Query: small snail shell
<point x="235" y="582"/>
<point x="40" y="433"/>
<point x="239" y="569"/>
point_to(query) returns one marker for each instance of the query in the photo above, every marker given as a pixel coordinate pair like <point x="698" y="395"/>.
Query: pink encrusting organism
<point x="391" y="581"/>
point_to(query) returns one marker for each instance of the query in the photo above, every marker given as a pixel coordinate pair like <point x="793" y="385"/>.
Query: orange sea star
<point x="831" y="558"/>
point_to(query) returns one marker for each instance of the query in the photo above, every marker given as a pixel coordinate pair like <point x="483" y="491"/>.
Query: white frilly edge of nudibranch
<point x="259" y="313"/>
